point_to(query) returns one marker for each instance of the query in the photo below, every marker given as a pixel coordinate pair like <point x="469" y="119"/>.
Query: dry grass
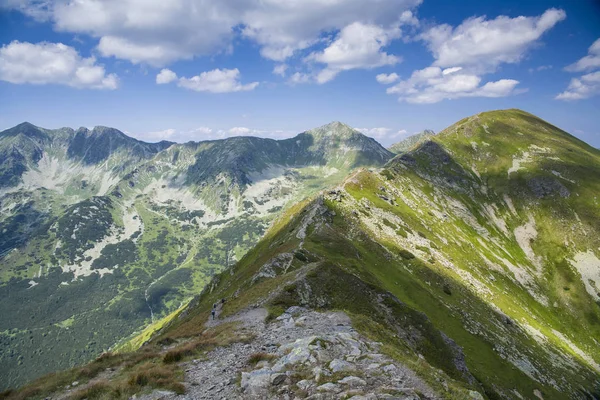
<point x="156" y="375"/>
<point x="258" y="357"/>
<point x="221" y="335"/>
<point x="147" y="367"/>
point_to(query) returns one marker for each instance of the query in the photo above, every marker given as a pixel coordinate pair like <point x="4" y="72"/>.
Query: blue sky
<point x="201" y="69"/>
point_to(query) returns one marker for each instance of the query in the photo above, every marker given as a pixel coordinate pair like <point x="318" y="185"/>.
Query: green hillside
<point x="411" y="142"/>
<point x="473" y="260"/>
<point x="104" y="235"/>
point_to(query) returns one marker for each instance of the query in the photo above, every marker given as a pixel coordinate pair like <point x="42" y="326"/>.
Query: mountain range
<point x="465" y="267"/>
<point x="104" y="234"/>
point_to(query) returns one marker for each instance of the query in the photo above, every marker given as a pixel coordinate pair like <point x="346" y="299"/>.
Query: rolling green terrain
<point x="488" y="234"/>
<point x="474" y="259"/>
<point x="102" y="235"/>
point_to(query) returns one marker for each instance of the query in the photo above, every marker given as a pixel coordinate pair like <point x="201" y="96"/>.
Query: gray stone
<point x="329" y="387"/>
<point x="475" y="395"/>
<point x="338" y="365"/>
<point x="295" y="310"/>
<point x="390" y="368"/>
<point x="255" y="382"/>
<point x="278" y="379"/>
<point x="305" y="384"/>
<point x="353" y="381"/>
<point x="544" y="186"/>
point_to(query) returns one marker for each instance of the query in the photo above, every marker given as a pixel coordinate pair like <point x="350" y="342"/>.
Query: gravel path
<point x="306" y="354"/>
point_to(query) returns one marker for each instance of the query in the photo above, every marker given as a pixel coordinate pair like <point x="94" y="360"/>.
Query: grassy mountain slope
<point x="109" y="234"/>
<point x="411" y="142"/>
<point x="472" y="258"/>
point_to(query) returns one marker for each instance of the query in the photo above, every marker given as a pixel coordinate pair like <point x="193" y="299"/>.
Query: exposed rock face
<point x="545" y="186"/>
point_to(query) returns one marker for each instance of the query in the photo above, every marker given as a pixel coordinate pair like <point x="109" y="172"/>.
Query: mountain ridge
<point x="142" y="224"/>
<point x="472" y="259"/>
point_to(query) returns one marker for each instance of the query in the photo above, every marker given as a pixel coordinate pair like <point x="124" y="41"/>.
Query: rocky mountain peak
<point x="411" y="142"/>
<point x="335" y="128"/>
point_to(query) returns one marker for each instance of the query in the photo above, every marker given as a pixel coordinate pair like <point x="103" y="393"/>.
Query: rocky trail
<point x="302" y="354"/>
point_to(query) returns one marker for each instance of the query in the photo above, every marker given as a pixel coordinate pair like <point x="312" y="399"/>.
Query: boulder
<point x="338" y="365"/>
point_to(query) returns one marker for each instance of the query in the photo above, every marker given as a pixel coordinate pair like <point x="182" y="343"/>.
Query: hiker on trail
<point x="213" y="312"/>
<point x="222" y="301"/>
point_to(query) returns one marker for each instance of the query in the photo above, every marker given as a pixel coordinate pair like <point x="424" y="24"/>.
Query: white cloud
<point x="374" y="132"/>
<point x="159" y="32"/>
<point x="383" y="134"/>
<point x="387" y="79"/>
<point x="203" y="130"/>
<point x="206" y="133"/>
<point x="239" y="130"/>
<point x="464" y="54"/>
<point x="283" y="27"/>
<point x="52" y="63"/>
<point x="280" y="69"/>
<point x="591" y="61"/>
<point x="483" y="44"/>
<point x="431" y="85"/>
<point x="165" y="76"/>
<point x="157" y="136"/>
<point x="299" y="77"/>
<point x="357" y="45"/>
<point x="540" y="68"/>
<point x="217" y="81"/>
<point x="582" y="88"/>
<point x="452" y="70"/>
<point x="587" y="85"/>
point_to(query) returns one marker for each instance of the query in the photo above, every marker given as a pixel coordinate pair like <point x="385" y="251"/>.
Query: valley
<point x="104" y="234"/>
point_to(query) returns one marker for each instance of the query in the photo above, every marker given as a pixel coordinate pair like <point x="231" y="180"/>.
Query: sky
<point x="185" y="70"/>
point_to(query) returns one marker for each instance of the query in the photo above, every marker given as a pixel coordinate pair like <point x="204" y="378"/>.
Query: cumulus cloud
<point x="387" y="79"/>
<point x="280" y="69"/>
<point x="157" y="136"/>
<point x="239" y="130"/>
<point x="206" y="133"/>
<point x="299" y="77"/>
<point x="463" y="55"/>
<point x="374" y="132"/>
<point x="159" y="32"/>
<point x="383" y="134"/>
<point x="165" y="76"/>
<point x="484" y="44"/>
<point x="591" y="61"/>
<point x="587" y="85"/>
<point x="582" y="88"/>
<point x="283" y="27"/>
<point x="357" y="45"/>
<point x="52" y="63"/>
<point x="432" y="84"/>
<point x="203" y="130"/>
<point x="216" y="81"/>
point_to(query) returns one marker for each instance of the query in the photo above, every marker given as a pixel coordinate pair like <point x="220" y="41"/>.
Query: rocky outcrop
<point x="302" y="354"/>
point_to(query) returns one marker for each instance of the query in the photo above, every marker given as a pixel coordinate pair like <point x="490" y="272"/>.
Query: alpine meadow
<point x="442" y="243"/>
